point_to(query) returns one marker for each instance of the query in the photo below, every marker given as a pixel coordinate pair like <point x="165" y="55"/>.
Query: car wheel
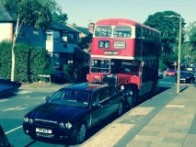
<point x="79" y="134"/>
<point x="120" y="110"/>
<point x="129" y="100"/>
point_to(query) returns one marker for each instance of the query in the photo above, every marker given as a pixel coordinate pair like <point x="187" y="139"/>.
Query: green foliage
<point x="169" y="28"/>
<point x="191" y="32"/>
<point x="59" y="16"/>
<point x="37" y="13"/>
<point x="167" y="60"/>
<point x="5" y="60"/>
<point x="76" y="72"/>
<point x="68" y="70"/>
<point x="30" y="62"/>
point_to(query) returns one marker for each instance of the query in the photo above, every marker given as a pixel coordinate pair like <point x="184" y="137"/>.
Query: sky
<point x="82" y="12"/>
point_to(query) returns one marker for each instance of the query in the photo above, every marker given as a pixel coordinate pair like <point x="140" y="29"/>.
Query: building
<point x="6" y="25"/>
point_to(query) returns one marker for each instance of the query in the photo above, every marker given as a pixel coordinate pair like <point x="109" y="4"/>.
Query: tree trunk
<point x="13" y="61"/>
<point x="13" y="47"/>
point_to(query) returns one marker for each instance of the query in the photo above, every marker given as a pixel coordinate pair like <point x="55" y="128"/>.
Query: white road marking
<point x="17" y="108"/>
<point x="175" y="106"/>
<point x="12" y="130"/>
<point x="24" y="92"/>
<point x="3" y="100"/>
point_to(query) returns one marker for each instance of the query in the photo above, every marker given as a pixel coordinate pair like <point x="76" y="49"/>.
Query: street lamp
<point x="179" y="51"/>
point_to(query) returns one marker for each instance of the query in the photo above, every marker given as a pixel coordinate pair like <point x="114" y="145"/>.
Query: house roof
<point x="81" y="29"/>
<point x="4" y="15"/>
<point x="62" y="27"/>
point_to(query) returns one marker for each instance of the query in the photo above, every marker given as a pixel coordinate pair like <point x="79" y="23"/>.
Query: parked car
<point x="170" y="72"/>
<point x="71" y="111"/>
<point x="4" y="142"/>
<point x="187" y="77"/>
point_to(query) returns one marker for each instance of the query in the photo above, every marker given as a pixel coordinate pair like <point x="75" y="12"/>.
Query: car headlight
<point x="65" y="125"/>
<point x="28" y="120"/>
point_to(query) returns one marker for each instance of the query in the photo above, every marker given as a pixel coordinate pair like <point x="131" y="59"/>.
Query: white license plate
<point x="43" y="130"/>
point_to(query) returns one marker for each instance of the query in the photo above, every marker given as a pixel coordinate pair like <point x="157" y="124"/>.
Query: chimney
<point x="91" y="27"/>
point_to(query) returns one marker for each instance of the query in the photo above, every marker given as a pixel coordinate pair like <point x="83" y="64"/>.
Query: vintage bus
<point x="125" y="53"/>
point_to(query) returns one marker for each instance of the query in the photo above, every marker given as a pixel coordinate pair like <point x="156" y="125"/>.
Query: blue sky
<point x="81" y="12"/>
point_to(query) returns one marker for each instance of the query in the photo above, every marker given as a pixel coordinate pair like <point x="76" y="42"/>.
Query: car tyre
<point x="79" y="134"/>
<point x="129" y="100"/>
<point x="130" y="97"/>
<point x="120" y="110"/>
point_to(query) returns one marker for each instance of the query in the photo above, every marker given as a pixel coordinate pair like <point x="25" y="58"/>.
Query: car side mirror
<point x="47" y="98"/>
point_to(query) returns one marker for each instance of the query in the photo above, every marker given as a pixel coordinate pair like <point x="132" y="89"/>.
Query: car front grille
<point x="46" y="123"/>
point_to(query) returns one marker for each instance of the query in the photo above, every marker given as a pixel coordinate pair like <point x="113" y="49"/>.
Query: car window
<point x="70" y="97"/>
<point x="99" y="95"/>
<point x="96" y="97"/>
<point x="111" y="91"/>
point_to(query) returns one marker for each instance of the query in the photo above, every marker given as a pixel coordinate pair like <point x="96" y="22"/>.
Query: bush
<point x="5" y="60"/>
<point x="30" y="62"/>
<point x="76" y="72"/>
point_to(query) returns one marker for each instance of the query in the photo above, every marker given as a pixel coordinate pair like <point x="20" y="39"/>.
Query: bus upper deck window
<point x="122" y="32"/>
<point x="103" y="31"/>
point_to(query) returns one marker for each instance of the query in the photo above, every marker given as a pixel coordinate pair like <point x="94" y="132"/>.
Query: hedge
<point x="30" y="62"/>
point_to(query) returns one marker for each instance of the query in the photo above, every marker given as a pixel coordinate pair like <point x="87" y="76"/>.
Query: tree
<point x="191" y="33"/>
<point x="37" y="13"/>
<point x="30" y="62"/>
<point x="59" y="16"/>
<point x="169" y="28"/>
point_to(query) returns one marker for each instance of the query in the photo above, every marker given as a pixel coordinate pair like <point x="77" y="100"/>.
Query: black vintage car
<point x="72" y="110"/>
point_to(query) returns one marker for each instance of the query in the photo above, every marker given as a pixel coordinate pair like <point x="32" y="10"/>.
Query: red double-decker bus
<point x="125" y="53"/>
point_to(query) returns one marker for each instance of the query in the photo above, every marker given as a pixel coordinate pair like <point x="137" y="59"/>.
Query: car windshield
<point x="70" y="97"/>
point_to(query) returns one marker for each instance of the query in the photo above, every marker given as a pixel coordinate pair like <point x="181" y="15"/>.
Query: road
<point x="14" y="107"/>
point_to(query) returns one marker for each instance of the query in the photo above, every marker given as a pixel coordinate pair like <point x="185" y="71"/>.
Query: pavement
<point x="166" y="120"/>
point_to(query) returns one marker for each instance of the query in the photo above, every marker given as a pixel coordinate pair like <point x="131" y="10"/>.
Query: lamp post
<point x="179" y="51"/>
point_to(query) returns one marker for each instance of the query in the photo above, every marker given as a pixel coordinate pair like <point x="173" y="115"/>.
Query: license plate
<point x="43" y="130"/>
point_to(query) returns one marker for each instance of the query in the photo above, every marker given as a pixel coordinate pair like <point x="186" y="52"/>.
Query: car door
<point x="111" y="101"/>
<point x="96" y="108"/>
